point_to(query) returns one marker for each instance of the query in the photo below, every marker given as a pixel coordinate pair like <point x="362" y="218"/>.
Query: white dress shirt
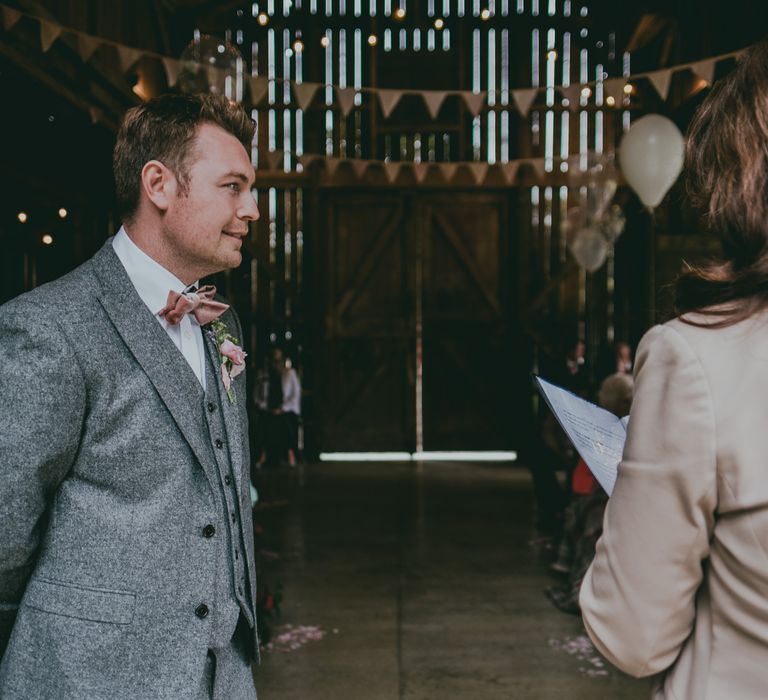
<point x="153" y="282"/>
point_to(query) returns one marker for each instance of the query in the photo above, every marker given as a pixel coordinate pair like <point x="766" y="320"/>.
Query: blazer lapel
<point x="158" y="356"/>
<point x="231" y="413"/>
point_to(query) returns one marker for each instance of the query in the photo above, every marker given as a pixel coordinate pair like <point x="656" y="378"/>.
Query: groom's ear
<point x="159" y="184"/>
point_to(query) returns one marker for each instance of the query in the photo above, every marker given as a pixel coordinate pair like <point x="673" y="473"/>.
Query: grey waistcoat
<point x="232" y="585"/>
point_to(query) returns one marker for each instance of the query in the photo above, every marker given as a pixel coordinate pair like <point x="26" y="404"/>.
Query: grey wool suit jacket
<point x="107" y="480"/>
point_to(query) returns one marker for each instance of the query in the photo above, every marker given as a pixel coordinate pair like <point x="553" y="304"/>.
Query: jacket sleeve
<point x="41" y="414"/>
<point x="638" y="597"/>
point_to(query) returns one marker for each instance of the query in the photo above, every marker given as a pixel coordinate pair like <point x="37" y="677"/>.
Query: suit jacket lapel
<point x="230" y="412"/>
<point x="160" y="359"/>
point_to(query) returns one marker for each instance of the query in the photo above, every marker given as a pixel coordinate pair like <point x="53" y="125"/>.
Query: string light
<point x="439" y="23"/>
<point x="47" y="239"/>
<point x="372" y="40"/>
<point x="485" y="15"/>
<point x="63" y="213"/>
<point x="552" y="55"/>
<point x="22" y="217"/>
<point x="399" y="13"/>
<point x="628" y="89"/>
<point x="586" y="92"/>
<point x="610" y="101"/>
<point x="262" y="19"/>
<point x="324" y="42"/>
<point x="298" y="46"/>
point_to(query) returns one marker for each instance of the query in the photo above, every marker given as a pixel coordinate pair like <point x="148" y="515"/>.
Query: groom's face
<point x="206" y="224"/>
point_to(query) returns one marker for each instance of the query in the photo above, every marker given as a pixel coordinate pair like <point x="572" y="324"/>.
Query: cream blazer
<point x="679" y="584"/>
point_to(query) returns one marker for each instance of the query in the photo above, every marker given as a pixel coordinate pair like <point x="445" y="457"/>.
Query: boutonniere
<point x="231" y="355"/>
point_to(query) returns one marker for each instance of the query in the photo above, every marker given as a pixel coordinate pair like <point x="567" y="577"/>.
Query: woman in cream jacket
<point x="679" y="585"/>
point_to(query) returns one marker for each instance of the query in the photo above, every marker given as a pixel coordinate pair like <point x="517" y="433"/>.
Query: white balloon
<point x="651" y="157"/>
<point x="589" y="248"/>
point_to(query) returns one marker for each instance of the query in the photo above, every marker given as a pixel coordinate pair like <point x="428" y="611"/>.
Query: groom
<point x="126" y="555"/>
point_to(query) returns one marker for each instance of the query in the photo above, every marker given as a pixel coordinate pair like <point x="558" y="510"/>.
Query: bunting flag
<point x="434" y="99"/>
<point x="275" y="159"/>
<point x="705" y="69"/>
<point x="86" y="45"/>
<point x="127" y="56"/>
<point x="661" y="80"/>
<point x="259" y="87"/>
<point x="49" y="32"/>
<point x="474" y="101"/>
<point x="449" y="171"/>
<point x="509" y="171"/>
<point x="305" y="93"/>
<point x="392" y="170"/>
<point x="172" y="68"/>
<point x="524" y="99"/>
<point x="538" y="168"/>
<point x="388" y="100"/>
<point x="360" y="167"/>
<point x="331" y="164"/>
<point x="479" y="171"/>
<point x="614" y="87"/>
<point x="10" y="17"/>
<point x="346" y="98"/>
<point x="420" y="171"/>
<point x="572" y="93"/>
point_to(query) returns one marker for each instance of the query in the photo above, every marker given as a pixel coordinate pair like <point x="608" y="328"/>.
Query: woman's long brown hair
<point x="727" y="176"/>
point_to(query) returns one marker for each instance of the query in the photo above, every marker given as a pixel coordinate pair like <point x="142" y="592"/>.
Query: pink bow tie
<point x="200" y="304"/>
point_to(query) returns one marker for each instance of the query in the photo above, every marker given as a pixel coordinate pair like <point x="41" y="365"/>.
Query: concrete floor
<point x="425" y="585"/>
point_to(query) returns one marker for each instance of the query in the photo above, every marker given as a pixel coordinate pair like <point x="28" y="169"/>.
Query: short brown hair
<point x="727" y="177"/>
<point x="164" y="129"/>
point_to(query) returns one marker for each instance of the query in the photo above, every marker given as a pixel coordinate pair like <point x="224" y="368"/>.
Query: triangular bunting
<point x="388" y="100"/>
<point x="661" y="80"/>
<point x="359" y="166"/>
<point x="524" y="99"/>
<point x="572" y="94"/>
<point x="346" y="98"/>
<point x="275" y="159"/>
<point x="479" y="171"/>
<point x="95" y="113"/>
<point x="434" y="100"/>
<point x="474" y="101"/>
<point x="392" y="170"/>
<point x="538" y="168"/>
<point x="86" y="45"/>
<point x="49" y="32"/>
<point x="128" y="56"/>
<point x="306" y="159"/>
<point x="331" y="165"/>
<point x="305" y="93"/>
<point x="448" y="170"/>
<point x="420" y="171"/>
<point x="705" y="69"/>
<point x="509" y="170"/>
<point x="614" y="87"/>
<point x="259" y="87"/>
<point x="10" y="17"/>
<point x="172" y="68"/>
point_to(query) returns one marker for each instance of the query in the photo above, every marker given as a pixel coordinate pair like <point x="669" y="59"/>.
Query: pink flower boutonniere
<point x="231" y="355"/>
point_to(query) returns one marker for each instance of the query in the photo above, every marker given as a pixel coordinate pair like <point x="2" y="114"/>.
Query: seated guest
<point x="278" y="398"/>
<point x="679" y="584"/>
<point x="584" y="515"/>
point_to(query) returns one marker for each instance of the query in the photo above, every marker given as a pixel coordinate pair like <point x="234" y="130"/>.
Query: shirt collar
<point x="151" y="279"/>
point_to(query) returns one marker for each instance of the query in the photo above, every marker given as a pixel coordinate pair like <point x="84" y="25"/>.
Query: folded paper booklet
<point x="597" y="434"/>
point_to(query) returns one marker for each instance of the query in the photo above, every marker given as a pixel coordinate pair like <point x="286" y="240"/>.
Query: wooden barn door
<point x="415" y="350"/>
<point x="467" y="358"/>
<point x="367" y="368"/>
